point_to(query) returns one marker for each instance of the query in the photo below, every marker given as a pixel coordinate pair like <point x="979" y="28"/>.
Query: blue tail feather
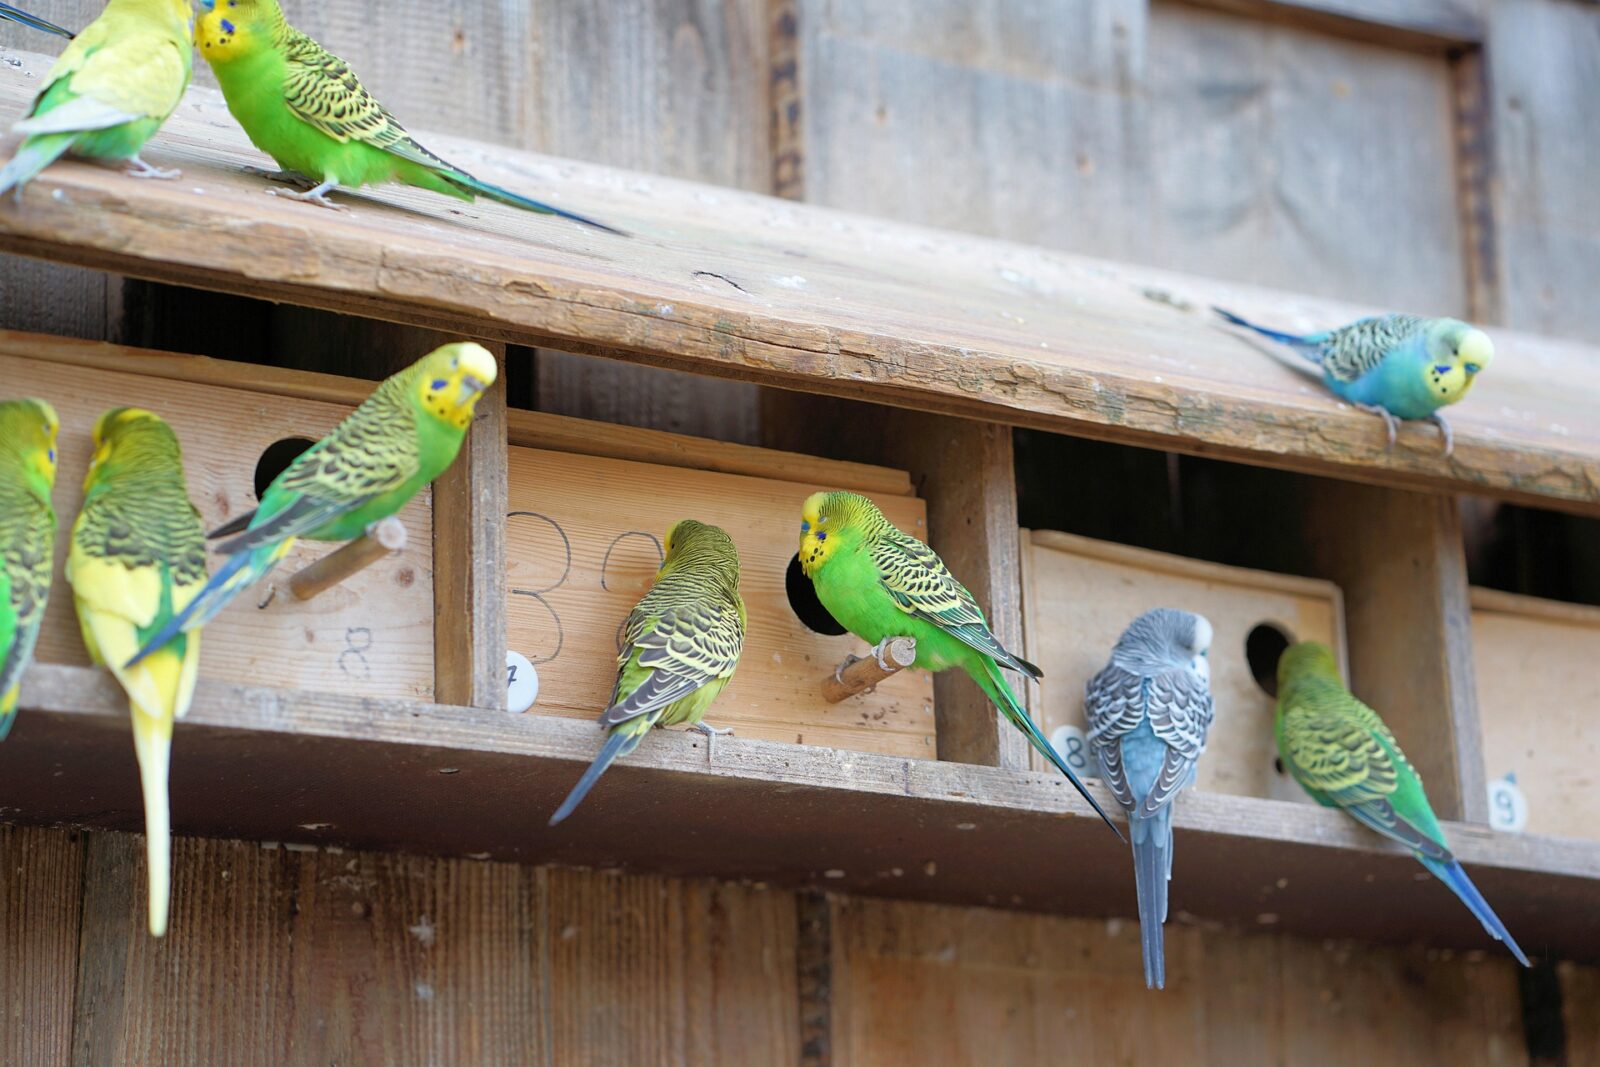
<point x="16" y="14"/>
<point x="620" y="743"/>
<point x="33" y="155"/>
<point x="220" y="588"/>
<point x="1152" y="867"/>
<point x="506" y="196"/>
<point x="1452" y="875"/>
<point x="7" y="720"/>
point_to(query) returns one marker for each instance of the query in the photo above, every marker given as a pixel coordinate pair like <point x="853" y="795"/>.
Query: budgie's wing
<point x="1180" y="710"/>
<point x="1336" y="752"/>
<point x="1351" y="351"/>
<point x="683" y="648"/>
<point x="923" y="587"/>
<point x="28" y="534"/>
<point x="117" y="79"/>
<point x="1113" y="702"/>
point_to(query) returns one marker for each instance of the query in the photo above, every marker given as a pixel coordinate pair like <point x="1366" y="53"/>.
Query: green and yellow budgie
<point x="400" y="439"/>
<point x="110" y="91"/>
<point x="303" y="106"/>
<point x="680" y="646"/>
<point x="138" y="557"/>
<point x="16" y="14"/>
<point x="880" y="583"/>
<point x="27" y="538"/>
<point x="1345" y="757"/>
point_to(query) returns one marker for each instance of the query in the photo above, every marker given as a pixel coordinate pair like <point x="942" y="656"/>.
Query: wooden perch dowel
<point x="861" y="673"/>
<point x="381" y="539"/>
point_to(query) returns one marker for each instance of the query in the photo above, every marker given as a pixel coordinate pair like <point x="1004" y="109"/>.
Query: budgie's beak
<point x="470" y="387"/>
<point x="207" y="5"/>
<point x="1476" y="351"/>
<point x="1474" y="368"/>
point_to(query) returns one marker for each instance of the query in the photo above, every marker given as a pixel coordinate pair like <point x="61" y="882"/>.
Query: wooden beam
<point x="1474" y="168"/>
<point x="1399" y="558"/>
<point x="1419" y="25"/>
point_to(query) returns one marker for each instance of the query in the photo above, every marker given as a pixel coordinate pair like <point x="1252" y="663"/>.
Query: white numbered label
<point x="1072" y="745"/>
<point x="522" y="683"/>
<point x="1508" y="807"/>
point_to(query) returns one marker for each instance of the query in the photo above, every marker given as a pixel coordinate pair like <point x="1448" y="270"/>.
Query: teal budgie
<point x="16" y="14"/>
<point x="27" y="536"/>
<point x="1148" y="713"/>
<point x="1395" y="366"/>
<point x="1345" y="757"/>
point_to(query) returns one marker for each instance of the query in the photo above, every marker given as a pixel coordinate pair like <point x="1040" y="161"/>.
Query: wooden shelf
<point x="330" y="770"/>
<point x="732" y="284"/>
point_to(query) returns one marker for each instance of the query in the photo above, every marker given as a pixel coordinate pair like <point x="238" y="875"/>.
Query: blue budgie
<point x="1396" y="366"/>
<point x="1148" y="712"/>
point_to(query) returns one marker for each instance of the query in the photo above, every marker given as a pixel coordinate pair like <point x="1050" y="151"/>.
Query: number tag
<point x="1508" y="806"/>
<point x="1072" y="745"/>
<point x="522" y="683"/>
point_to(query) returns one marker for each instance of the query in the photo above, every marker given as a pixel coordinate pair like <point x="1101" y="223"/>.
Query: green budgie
<point x="16" y="14"/>
<point x="1394" y="366"/>
<point x="880" y="583"/>
<point x="110" y="91"/>
<point x="1345" y="757"/>
<point x="27" y="538"/>
<point x="400" y="439"/>
<point x="303" y="106"/>
<point x="680" y="646"/>
<point x="138" y="556"/>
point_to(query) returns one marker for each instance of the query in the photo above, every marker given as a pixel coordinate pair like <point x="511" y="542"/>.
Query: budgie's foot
<point x="138" y="168"/>
<point x="1444" y="429"/>
<point x="1390" y="423"/>
<point x="287" y="177"/>
<point x="711" y="732"/>
<point x="317" y="195"/>
<point x="880" y="650"/>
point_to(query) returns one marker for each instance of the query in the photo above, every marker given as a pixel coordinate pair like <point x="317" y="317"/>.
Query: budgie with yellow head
<point x="110" y="91"/>
<point x="1394" y="366"/>
<point x="400" y="439"/>
<point x="137" y="559"/>
<point x="27" y="538"/>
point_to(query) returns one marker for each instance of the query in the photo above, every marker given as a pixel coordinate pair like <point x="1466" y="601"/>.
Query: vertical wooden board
<point x="1580" y="1002"/>
<point x="1080" y="595"/>
<point x="277" y="956"/>
<point x="606" y="390"/>
<point x="1539" y="696"/>
<point x="41" y="883"/>
<point x="372" y="634"/>
<point x="643" y="969"/>
<point x="57" y="299"/>
<point x="1544" y="72"/>
<point x="1283" y="153"/>
<point x="584" y="540"/>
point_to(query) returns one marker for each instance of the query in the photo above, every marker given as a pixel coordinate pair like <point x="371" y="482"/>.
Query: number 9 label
<point x="1508" y="807"/>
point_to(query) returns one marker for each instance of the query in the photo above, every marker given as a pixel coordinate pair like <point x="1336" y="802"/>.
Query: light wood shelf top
<point x="733" y="284"/>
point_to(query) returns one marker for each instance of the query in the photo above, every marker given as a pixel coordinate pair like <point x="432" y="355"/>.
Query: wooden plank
<point x="1539" y="654"/>
<point x="1580" y="998"/>
<point x="41" y="879"/>
<point x="584" y="540"/>
<point x="354" y="771"/>
<point x="327" y="643"/>
<point x="824" y="301"/>
<point x="1399" y="558"/>
<point x="1081" y="594"/>
<point x="814" y="969"/>
<point x="608" y="390"/>
<point x="1421" y="25"/>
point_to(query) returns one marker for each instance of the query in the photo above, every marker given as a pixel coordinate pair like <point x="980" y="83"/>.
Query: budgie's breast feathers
<point x="687" y="632"/>
<point x="1179" y="707"/>
<point x="1352" y="351"/>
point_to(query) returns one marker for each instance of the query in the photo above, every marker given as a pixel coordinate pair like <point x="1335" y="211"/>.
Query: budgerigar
<point x="303" y="106"/>
<point x="400" y="439"/>
<point x="16" y="14"/>
<point x="1345" y="757"/>
<point x="1395" y="366"/>
<point x="27" y="538"/>
<point x="110" y="90"/>
<point x="1148" y="712"/>
<point x="880" y="583"/>
<point x="138" y="556"/>
<point x="679" y="648"/>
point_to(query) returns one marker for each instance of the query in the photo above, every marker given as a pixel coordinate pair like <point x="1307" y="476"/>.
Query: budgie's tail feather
<point x="1152" y="867"/>
<point x="1304" y="346"/>
<point x="33" y="155"/>
<point x="8" y="709"/>
<point x="237" y="575"/>
<point x="152" y="742"/>
<point x="506" y="196"/>
<point x="622" y="741"/>
<point x="993" y="683"/>
<point x="1451" y="874"/>
<point x="18" y="15"/>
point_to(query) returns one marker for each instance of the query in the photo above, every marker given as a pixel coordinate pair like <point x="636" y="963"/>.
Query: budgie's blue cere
<point x="1148" y="713"/>
<point x="1396" y="366"/>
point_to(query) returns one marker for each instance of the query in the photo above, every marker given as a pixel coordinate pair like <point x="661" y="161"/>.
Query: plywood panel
<point x="41" y="882"/>
<point x="1540" y="698"/>
<point x="373" y="634"/>
<point x="1580" y="1001"/>
<point x="584" y="541"/>
<point x="919" y="983"/>
<point x="1081" y="594"/>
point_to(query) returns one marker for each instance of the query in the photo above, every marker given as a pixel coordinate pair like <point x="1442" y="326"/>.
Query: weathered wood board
<point x="373" y="634"/>
<point x="1080" y="594"/>
<point x="1539" y="699"/>
<point x="584" y="540"/>
<point x="41" y="899"/>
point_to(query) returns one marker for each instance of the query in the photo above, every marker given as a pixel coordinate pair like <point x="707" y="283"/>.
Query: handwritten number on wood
<point x="539" y="594"/>
<point x="357" y="643"/>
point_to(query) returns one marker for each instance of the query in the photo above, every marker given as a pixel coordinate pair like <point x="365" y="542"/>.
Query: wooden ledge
<point x="329" y="770"/>
<point x="733" y="284"/>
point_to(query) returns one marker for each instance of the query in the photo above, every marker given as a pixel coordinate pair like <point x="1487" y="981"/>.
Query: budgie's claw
<point x="1444" y="429"/>
<point x="316" y="195"/>
<point x="878" y="652"/>
<point x="1390" y="423"/>
<point x="711" y="733"/>
<point x="138" y="168"/>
